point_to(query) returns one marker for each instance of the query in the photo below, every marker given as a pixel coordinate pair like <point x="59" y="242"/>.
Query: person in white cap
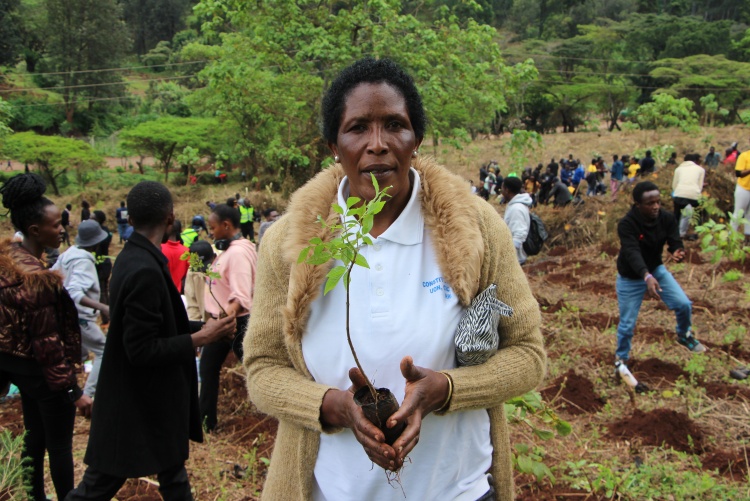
<point x="78" y="266"/>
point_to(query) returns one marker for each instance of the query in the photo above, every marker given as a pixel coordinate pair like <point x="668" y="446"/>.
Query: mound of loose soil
<point x="734" y="349"/>
<point x="577" y="395"/>
<point x="601" y="321"/>
<point x="560" y="278"/>
<point x="722" y="391"/>
<point x="655" y="372"/>
<point x="609" y="249"/>
<point x="11" y="416"/>
<point x="692" y="256"/>
<point x="599" y="288"/>
<point x="558" y="251"/>
<point x="551" y="308"/>
<point x="651" y="332"/>
<point x="660" y="427"/>
<point x="546" y="492"/>
<point x="138" y="490"/>
<point x="730" y="464"/>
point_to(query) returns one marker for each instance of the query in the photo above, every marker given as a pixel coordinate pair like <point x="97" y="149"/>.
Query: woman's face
<point x="49" y="231"/>
<point x="376" y="137"/>
<point x="220" y="229"/>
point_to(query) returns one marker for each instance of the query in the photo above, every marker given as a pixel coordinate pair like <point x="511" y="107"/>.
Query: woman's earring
<point x="336" y="158"/>
<point x="414" y="153"/>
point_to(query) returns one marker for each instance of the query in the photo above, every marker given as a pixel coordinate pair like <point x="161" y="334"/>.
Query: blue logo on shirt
<point x="436" y="285"/>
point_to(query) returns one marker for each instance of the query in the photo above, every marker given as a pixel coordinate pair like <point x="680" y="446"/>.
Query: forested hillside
<point x="250" y="74"/>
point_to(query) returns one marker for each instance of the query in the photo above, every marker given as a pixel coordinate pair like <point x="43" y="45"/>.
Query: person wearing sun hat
<point x="80" y="279"/>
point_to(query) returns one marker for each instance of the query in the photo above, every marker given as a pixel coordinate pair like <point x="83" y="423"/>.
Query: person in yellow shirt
<point x="633" y="169"/>
<point x="742" y="192"/>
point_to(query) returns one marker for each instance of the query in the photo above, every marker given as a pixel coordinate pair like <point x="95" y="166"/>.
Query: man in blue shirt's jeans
<point x="643" y="232"/>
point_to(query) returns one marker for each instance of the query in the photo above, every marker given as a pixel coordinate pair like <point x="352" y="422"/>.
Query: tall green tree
<point x="10" y="27"/>
<point x="153" y="21"/>
<point x="83" y="38"/>
<point x="54" y="156"/>
<point x="167" y="137"/>
<point x="279" y="75"/>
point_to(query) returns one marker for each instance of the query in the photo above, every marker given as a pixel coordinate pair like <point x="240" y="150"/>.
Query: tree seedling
<point x="195" y="264"/>
<point x="350" y="234"/>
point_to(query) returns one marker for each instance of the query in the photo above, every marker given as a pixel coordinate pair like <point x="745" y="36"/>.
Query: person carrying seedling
<point x="78" y="267"/>
<point x="643" y="232"/>
<point x="430" y="248"/>
<point x="231" y="293"/>
<point x="147" y="397"/>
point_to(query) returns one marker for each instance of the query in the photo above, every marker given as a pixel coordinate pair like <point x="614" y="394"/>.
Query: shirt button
<point x="378" y="267"/>
<point x="379" y="291"/>
<point x="376" y="247"/>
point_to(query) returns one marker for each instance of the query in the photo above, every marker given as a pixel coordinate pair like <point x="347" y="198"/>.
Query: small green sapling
<point x="349" y="236"/>
<point x="195" y="264"/>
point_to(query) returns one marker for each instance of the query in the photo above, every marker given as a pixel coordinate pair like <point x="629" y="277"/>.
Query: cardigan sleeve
<point x="519" y="364"/>
<point x="274" y="385"/>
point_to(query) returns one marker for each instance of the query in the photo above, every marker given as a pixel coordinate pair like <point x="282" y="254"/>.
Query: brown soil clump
<point x="655" y="372"/>
<point x="541" y="267"/>
<point x="652" y="333"/>
<point x="138" y="490"/>
<point x="11" y="416"/>
<point x="598" y="288"/>
<point x="692" y="256"/>
<point x="734" y="349"/>
<point x="546" y="492"/>
<point x="577" y="396"/>
<point x="609" y="249"/>
<point x="601" y="321"/>
<point x="558" y="251"/>
<point x="560" y="278"/>
<point x="553" y="308"/>
<point x="660" y="427"/>
<point x="729" y="464"/>
<point x="722" y="391"/>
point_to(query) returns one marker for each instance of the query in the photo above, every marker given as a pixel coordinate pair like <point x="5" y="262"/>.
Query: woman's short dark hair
<point x="100" y="216"/>
<point x="227" y="213"/>
<point x="642" y="188"/>
<point x="370" y="70"/>
<point x="23" y="196"/>
<point x="85" y="204"/>
<point x="149" y="204"/>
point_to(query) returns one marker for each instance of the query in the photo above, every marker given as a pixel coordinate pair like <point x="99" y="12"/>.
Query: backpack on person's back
<point x="536" y="237"/>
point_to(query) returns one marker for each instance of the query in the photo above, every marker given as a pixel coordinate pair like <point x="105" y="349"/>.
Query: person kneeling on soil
<point x="643" y="232"/>
<point x="147" y="399"/>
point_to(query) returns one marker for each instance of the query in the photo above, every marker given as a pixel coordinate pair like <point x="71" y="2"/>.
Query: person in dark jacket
<point x="147" y="396"/>
<point x="643" y="232"/>
<point x="40" y="342"/>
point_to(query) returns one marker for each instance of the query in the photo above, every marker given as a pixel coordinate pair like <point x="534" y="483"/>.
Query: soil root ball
<point x="654" y="371"/>
<point x="660" y="427"/>
<point x="378" y="413"/>
<point x="577" y="397"/>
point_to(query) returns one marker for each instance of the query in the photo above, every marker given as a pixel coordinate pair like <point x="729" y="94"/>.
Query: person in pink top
<point x="232" y="293"/>
<point x="173" y="250"/>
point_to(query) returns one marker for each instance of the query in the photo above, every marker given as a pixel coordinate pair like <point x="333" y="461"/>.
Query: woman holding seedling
<point x="429" y="250"/>
<point x="231" y="293"/>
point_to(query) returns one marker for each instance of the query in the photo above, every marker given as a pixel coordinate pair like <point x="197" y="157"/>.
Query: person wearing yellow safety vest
<point x="247" y="215"/>
<point x="192" y="234"/>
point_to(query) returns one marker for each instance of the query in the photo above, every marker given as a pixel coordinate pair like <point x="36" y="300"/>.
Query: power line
<point x="77" y="102"/>
<point x="105" y="84"/>
<point x="124" y="68"/>
<point x="717" y="89"/>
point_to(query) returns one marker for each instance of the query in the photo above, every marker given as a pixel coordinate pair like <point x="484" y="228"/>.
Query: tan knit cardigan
<point x="474" y="249"/>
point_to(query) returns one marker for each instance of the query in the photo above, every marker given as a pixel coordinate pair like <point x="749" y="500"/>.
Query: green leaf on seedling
<point x="351" y="201"/>
<point x="303" y="255"/>
<point x="361" y="261"/>
<point x="375" y="182"/>
<point x="366" y="240"/>
<point x="525" y="464"/>
<point x="543" y="434"/>
<point x="563" y="428"/>
<point x="367" y="223"/>
<point x="337" y="209"/>
<point x="333" y="278"/>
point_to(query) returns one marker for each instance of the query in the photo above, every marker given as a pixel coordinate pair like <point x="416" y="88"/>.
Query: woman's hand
<point x="339" y="409"/>
<point x="84" y="404"/>
<point x="426" y="391"/>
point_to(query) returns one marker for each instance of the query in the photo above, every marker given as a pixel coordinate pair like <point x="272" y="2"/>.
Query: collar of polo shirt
<point x="407" y="228"/>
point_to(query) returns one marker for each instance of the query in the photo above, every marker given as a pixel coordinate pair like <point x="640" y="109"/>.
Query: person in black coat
<point x="146" y="408"/>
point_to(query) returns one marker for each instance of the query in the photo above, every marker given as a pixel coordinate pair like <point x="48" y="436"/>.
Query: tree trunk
<point x="44" y="167"/>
